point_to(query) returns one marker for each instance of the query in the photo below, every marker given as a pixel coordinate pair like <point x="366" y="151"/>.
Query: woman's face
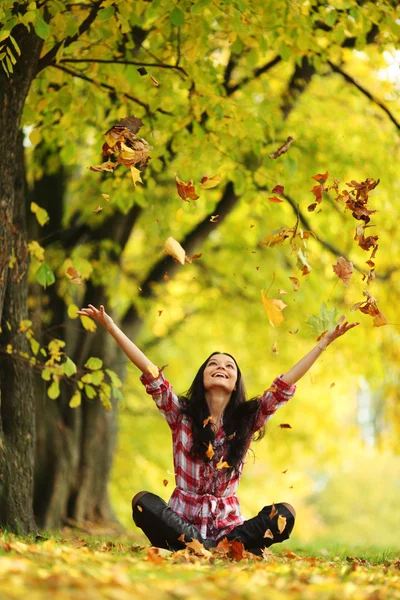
<point x="220" y="373"/>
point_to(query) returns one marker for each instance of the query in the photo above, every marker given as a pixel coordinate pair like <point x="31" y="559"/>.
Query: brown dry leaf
<point x="174" y="249"/>
<point x="237" y="551"/>
<point x="282" y="149"/>
<point x="153" y="370"/>
<point x="370" y="307"/>
<point x="273" y="309"/>
<point x="207" y="421"/>
<point x="281" y="523"/>
<point x="210" y="182"/>
<point x="223" y="547"/>
<point x="210" y="451"/>
<point x="266" y="553"/>
<point x="181" y="538"/>
<point x="166" y="277"/>
<point x="214" y="219"/>
<point x="154" y="556"/>
<point x="273" y="512"/>
<point x="295" y="283"/>
<point x="285" y="471"/>
<point x="332" y="385"/>
<point x="269" y="534"/>
<point x="278" y="189"/>
<point x="105" y="166"/>
<point x="160" y="312"/>
<point x="186" y="190"/>
<point x="275" y="199"/>
<point x="294" y="332"/>
<point x="285" y="426"/>
<point x="154" y="80"/>
<point x="198" y="549"/>
<point x="98" y="209"/>
<point x="343" y="269"/>
<point x="290" y="554"/>
<point x="165" y="482"/>
<point x="189" y="259"/>
<point x="321" y="178"/>
<point x="281" y="292"/>
<point x="76" y="277"/>
<point x="275" y="239"/>
<point x="371" y="241"/>
<point x="222" y="464"/>
<point x="106" y="197"/>
<point x="275" y="347"/>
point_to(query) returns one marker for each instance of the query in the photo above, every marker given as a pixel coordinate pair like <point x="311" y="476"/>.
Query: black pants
<point x="163" y="526"/>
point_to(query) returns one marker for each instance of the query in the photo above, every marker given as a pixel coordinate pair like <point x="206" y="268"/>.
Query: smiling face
<point x="220" y="373"/>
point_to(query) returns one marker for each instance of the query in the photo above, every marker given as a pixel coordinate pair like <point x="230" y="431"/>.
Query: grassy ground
<point x="71" y="565"/>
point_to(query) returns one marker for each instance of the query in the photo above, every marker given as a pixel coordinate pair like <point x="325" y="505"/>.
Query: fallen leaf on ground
<point x="198" y="549"/>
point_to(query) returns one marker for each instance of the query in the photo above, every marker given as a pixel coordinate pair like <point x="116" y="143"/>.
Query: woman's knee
<point x="137" y="497"/>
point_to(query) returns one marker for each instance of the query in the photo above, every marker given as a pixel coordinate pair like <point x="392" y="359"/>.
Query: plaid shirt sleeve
<point x="273" y="398"/>
<point x="161" y="391"/>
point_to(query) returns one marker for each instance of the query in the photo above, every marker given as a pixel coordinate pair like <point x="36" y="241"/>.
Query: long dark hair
<point x="239" y="418"/>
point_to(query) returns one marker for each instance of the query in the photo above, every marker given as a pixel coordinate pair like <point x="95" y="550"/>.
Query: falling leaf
<point x="371" y="241"/>
<point x="181" y="538"/>
<point x="166" y="277"/>
<point x="207" y="421"/>
<point x="276" y="238"/>
<point x="370" y="307"/>
<point x="282" y="149"/>
<point x="285" y="471"/>
<point x="160" y="312"/>
<point x="285" y="426"/>
<point x="105" y="166"/>
<point x="189" y="259"/>
<point x="268" y="534"/>
<point x="278" y="189"/>
<point x="106" y="197"/>
<point x="343" y="269"/>
<point x="273" y="512"/>
<point x="76" y="277"/>
<point x="281" y="292"/>
<point x="98" y="209"/>
<point x="142" y="71"/>
<point x="312" y="207"/>
<point x="281" y="523"/>
<point x="210" y="182"/>
<point x="153" y="370"/>
<point x="140" y="509"/>
<point x="275" y="347"/>
<point x="294" y="332"/>
<point x="302" y="263"/>
<point x="326" y="320"/>
<point x="154" y="80"/>
<point x="153" y="555"/>
<point x="210" y="451"/>
<point x="198" y="549"/>
<point x="165" y="482"/>
<point x="321" y="178"/>
<point x="274" y="309"/>
<point x="295" y="283"/>
<point x="275" y="199"/>
<point x="323" y="334"/>
<point x="214" y="219"/>
<point x="186" y="190"/>
<point x="174" y="249"/>
<point x="222" y="464"/>
<point x="332" y="385"/>
<point x="136" y="176"/>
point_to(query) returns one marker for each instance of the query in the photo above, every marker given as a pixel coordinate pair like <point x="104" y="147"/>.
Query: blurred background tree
<point x="219" y="88"/>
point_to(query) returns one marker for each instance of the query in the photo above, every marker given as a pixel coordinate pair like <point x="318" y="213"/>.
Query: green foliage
<point x="326" y="320"/>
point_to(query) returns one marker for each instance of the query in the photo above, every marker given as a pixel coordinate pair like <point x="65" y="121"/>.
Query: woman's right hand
<point x="97" y="315"/>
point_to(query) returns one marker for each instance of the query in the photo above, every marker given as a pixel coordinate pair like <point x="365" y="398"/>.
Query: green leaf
<point x="69" y="367"/>
<point x="115" y="380"/>
<point x="106" y="13"/>
<point x="44" y="275"/>
<point x="41" y="28"/>
<point x="75" y="400"/>
<point x="35" y="346"/>
<point x="90" y="392"/>
<point x="54" y="390"/>
<point x="46" y="374"/>
<point x="177" y="17"/>
<point x="97" y="377"/>
<point x="41" y="214"/>
<point x="117" y="394"/>
<point x="94" y="363"/>
<point x="326" y="320"/>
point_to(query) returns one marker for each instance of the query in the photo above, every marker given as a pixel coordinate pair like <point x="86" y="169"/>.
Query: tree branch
<point x="364" y="91"/>
<point x="113" y="61"/>
<point x="48" y="58"/>
<point x="256" y="73"/>
<point x="106" y="86"/>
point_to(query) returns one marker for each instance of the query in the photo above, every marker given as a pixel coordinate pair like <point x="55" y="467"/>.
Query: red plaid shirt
<point x="204" y="495"/>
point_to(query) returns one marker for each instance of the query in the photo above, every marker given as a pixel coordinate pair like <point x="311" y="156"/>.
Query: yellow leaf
<point x="198" y="548"/>
<point x="210" y="451"/>
<point x="210" y="182"/>
<point x="42" y="215"/>
<point x="281" y="523"/>
<point x="75" y="400"/>
<point x="222" y="464"/>
<point x="174" y="249"/>
<point x="88" y="323"/>
<point x="136" y="176"/>
<point x="106" y="197"/>
<point x="269" y="534"/>
<point x="295" y="283"/>
<point x="72" y="311"/>
<point x="153" y="370"/>
<point x="35" y="137"/>
<point x="274" y="309"/>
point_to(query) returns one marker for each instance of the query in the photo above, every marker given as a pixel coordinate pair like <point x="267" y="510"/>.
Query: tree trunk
<point x="17" y="424"/>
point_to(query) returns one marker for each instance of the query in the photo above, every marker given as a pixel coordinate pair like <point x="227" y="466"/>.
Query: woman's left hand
<point x="341" y="328"/>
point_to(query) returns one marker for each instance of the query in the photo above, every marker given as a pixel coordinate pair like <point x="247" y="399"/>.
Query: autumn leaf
<point x="332" y="385"/>
<point x="106" y="197"/>
<point x="189" y="259"/>
<point x="154" y="80"/>
<point x="76" y="277"/>
<point x="285" y="426"/>
<point x="268" y="534"/>
<point x="282" y="149"/>
<point x="343" y="269"/>
<point x="98" y="209"/>
<point x="214" y="218"/>
<point x="238" y="551"/>
<point x="207" y="421"/>
<point x="165" y="482"/>
<point x="326" y="320"/>
<point x="275" y="199"/>
<point x="275" y="347"/>
<point x="210" y="182"/>
<point x="273" y="512"/>
<point x="107" y="166"/>
<point x="174" y="249"/>
<point x="153" y="555"/>
<point x="285" y="471"/>
<point x="210" y="451"/>
<point x="278" y="189"/>
<point x="302" y="263"/>
<point x="198" y="549"/>
<point x="321" y="178"/>
<point x="295" y="283"/>
<point x="186" y="190"/>
<point x="371" y="241"/>
<point x="273" y="309"/>
<point x="370" y="307"/>
<point x="136" y="176"/>
<point x="281" y="292"/>
<point x="281" y="523"/>
<point x="222" y="464"/>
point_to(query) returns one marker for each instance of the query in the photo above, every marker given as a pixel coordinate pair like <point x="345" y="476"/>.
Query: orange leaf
<point x="281" y="523"/>
<point x="198" y="549"/>
<point x="105" y="166"/>
<point x="165" y="482"/>
<point x="273" y="512"/>
<point x="76" y="277"/>
<point x="154" y="556"/>
<point x="207" y="421"/>
<point x="275" y="199"/>
<point x="343" y="269"/>
<point x="186" y="190"/>
<point x="321" y="178"/>
<point x="222" y="464"/>
<point x="273" y="309"/>
<point x="210" y="451"/>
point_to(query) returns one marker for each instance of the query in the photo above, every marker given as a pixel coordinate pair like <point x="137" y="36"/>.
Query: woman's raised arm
<point x="300" y="368"/>
<point x="131" y="350"/>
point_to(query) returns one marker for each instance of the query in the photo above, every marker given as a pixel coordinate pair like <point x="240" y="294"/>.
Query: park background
<point x="225" y="87"/>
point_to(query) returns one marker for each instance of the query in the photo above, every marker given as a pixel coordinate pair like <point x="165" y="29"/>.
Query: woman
<point x="212" y="428"/>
